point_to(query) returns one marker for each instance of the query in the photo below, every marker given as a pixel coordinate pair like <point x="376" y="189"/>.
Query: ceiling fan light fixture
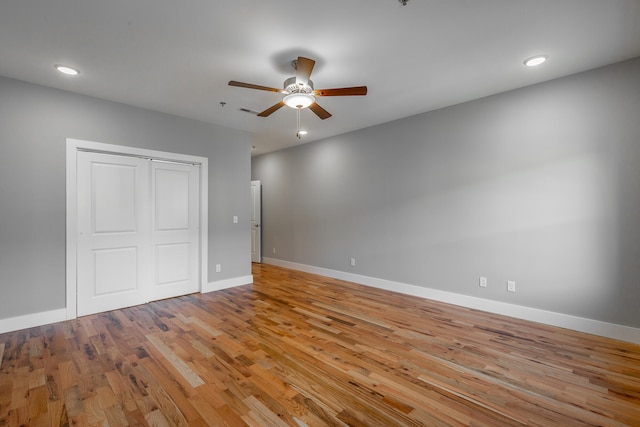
<point x="299" y="100"/>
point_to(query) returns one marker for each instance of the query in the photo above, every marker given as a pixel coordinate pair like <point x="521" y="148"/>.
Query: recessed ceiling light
<point x="535" y="60"/>
<point x="67" y="70"/>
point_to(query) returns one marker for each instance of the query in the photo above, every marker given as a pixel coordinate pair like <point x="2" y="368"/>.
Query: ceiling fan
<point x="299" y="92"/>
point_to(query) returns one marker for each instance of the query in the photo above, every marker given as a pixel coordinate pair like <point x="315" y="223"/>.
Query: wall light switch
<point x="235" y="219"/>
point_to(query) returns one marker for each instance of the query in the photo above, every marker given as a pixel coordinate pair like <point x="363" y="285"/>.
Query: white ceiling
<point x="178" y="56"/>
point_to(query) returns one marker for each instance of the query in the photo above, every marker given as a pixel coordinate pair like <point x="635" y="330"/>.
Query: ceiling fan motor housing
<point x="290" y="86"/>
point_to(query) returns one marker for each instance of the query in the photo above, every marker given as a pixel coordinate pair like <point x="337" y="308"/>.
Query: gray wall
<point x="34" y="124"/>
<point x="539" y="185"/>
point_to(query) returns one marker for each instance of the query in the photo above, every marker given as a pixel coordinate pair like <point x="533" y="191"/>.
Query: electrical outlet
<point x="483" y="282"/>
<point x="274" y="250"/>
<point x="218" y="268"/>
<point x="353" y="262"/>
<point x="511" y="286"/>
<point x="235" y="219"/>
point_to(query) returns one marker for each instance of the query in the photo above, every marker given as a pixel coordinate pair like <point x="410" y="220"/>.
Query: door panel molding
<point x="73" y="147"/>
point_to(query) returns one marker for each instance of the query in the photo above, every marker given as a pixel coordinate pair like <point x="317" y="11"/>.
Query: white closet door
<point x="175" y="201"/>
<point x="113" y="232"/>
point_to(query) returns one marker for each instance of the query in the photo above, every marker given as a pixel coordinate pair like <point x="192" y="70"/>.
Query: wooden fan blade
<point x="304" y="66"/>
<point x="320" y="112"/>
<point x="252" y="86"/>
<point x="271" y="110"/>
<point x="343" y="91"/>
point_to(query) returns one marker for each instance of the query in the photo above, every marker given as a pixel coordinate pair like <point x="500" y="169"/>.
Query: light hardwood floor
<point x="298" y="349"/>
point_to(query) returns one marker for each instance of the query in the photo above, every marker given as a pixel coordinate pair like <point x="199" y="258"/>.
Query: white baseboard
<point x="227" y="283"/>
<point x="59" y="315"/>
<point x="32" y="320"/>
<point x="596" y="327"/>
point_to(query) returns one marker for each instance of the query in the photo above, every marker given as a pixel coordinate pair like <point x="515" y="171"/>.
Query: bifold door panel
<point x="175" y="237"/>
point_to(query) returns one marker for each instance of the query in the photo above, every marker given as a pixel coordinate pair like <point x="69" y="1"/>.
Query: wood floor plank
<point x="298" y="349"/>
<point x="176" y="362"/>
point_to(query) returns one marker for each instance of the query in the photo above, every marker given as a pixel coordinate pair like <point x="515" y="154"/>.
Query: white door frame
<point x="73" y="146"/>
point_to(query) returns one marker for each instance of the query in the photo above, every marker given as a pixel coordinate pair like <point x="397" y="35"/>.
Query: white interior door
<point x="176" y="229"/>
<point x="113" y="232"/>
<point x="256" y="220"/>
